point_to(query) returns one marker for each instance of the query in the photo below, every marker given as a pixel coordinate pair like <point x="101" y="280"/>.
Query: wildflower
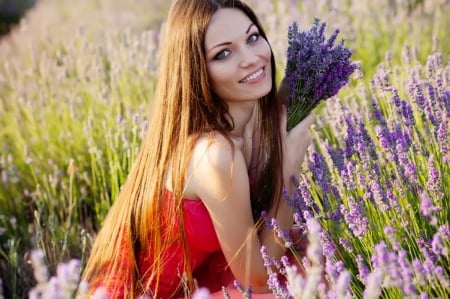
<point x="378" y="195"/>
<point x="438" y="246"/>
<point x="314" y="251"/>
<point x="273" y="282"/>
<point x="100" y="293"/>
<point x="383" y="136"/>
<point x="281" y="233"/>
<point x="427" y="208"/>
<point x="445" y="231"/>
<point x="328" y="247"/>
<point x="433" y="183"/>
<point x="443" y="279"/>
<point x="347" y="175"/>
<point x="363" y="270"/>
<point x="201" y="293"/>
<point x="407" y="113"/>
<point x="316" y="69"/>
<point x="343" y="285"/>
<point x="337" y="156"/>
<point x="419" y="271"/>
<point x="354" y="218"/>
<point x="373" y="286"/>
<point x="321" y="175"/>
<point x="390" y="232"/>
<point x="296" y="283"/>
<point x="41" y="273"/>
<point x="442" y="137"/>
<point x="245" y="293"/>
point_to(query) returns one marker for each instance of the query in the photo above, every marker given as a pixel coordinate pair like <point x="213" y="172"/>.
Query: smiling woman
<point x="238" y="58"/>
<point x="189" y="213"/>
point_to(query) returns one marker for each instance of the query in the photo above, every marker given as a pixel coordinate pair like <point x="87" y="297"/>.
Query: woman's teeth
<point x="252" y="76"/>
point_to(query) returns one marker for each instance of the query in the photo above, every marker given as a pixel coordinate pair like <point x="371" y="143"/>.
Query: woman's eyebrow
<point x="249" y="27"/>
<point x="229" y="43"/>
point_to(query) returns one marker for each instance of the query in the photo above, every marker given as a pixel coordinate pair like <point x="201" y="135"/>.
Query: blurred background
<point x="11" y="12"/>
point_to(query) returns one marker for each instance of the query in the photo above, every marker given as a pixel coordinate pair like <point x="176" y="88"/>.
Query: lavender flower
<point x="346" y="244"/>
<point x="363" y="270"/>
<point x="201" y="293"/>
<point x="316" y="69"/>
<point x="246" y="293"/>
<point x="355" y="218"/>
<point x="427" y="208"/>
<point x="438" y="245"/>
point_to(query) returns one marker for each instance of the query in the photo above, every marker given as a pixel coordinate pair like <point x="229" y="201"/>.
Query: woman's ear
<point x="282" y="95"/>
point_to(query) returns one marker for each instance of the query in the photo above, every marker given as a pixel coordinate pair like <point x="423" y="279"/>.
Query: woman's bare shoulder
<point x="213" y="160"/>
<point x="215" y="149"/>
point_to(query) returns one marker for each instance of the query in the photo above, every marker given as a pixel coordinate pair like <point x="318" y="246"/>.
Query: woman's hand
<point x="298" y="139"/>
<point x="295" y="143"/>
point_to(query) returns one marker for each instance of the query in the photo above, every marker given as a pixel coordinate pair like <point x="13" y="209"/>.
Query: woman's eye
<point x="222" y="54"/>
<point x="253" y="38"/>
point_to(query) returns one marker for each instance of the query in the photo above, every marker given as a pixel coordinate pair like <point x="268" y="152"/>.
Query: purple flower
<point x="434" y="183"/>
<point x="354" y="218"/>
<point x="363" y="270"/>
<point x="377" y="112"/>
<point x="327" y="246"/>
<point x="281" y="233"/>
<point x="443" y="279"/>
<point x="438" y="246"/>
<point x="407" y="113"/>
<point x="442" y="137"/>
<point x="383" y="136"/>
<point x="201" y="293"/>
<point x="320" y="171"/>
<point x="419" y="270"/>
<point x="316" y="69"/>
<point x="337" y="156"/>
<point x="427" y="208"/>
<point x="245" y="293"/>
<point x="445" y="231"/>
<point x="380" y="258"/>
<point x="346" y="244"/>
<point x="379" y="196"/>
<point x="347" y="176"/>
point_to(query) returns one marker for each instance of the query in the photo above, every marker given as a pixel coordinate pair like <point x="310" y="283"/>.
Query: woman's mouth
<point x="254" y="76"/>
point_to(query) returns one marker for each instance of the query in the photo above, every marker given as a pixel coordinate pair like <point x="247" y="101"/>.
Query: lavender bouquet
<point x="316" y="69"/>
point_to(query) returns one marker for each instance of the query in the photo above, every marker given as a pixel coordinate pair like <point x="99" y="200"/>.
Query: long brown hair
<point x="183" y="108"/>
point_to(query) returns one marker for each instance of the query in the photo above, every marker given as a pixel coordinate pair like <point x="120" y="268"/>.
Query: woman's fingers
<point x="309" y="120"/>
<point x="301" y="130"/>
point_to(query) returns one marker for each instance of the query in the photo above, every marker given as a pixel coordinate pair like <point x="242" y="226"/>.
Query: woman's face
<point x="237" y="57"/>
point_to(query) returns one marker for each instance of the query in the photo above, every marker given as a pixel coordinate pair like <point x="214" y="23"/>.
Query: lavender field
<point x="76" y="81"/>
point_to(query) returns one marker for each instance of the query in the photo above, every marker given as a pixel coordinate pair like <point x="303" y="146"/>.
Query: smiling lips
<point x="256" y="75"/>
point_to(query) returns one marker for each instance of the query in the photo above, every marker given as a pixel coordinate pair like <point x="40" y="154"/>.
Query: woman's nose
<point x="248" y="56"/>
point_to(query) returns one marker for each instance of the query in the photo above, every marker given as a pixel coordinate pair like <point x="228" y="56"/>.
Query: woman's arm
<point x="219" y="176"/>
<point x="220" y="179"/>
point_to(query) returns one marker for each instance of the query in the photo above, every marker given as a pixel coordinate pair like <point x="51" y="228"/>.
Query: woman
<point x="216" y="155"/>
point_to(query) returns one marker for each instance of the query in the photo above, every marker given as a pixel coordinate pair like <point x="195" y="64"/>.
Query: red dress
<point x="207" y="261"/>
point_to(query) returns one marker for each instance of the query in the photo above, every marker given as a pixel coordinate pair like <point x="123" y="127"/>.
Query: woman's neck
<point x="241" y="114"/>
